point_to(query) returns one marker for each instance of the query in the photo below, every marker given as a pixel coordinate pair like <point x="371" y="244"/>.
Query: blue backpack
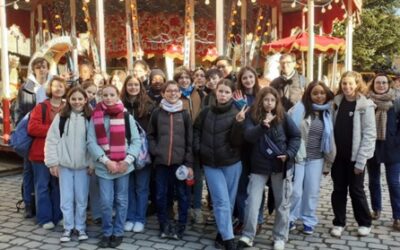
<point x="20" y="140"/>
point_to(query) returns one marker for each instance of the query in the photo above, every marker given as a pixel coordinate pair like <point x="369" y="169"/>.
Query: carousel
<point x="115" y="33"/>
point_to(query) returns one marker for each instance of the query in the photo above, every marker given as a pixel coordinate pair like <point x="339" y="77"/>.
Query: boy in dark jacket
<point x="170" y="143"/>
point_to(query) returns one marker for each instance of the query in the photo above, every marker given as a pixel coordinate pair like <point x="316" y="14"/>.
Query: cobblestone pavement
<point x="19" y="233"/>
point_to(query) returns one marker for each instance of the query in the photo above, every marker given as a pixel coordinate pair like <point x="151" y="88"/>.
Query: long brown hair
<point x="361" y="86"/>
<point x="240" y="86"/>
<point x="258" y="112"/>
<point x="66" y="111"/>
<point x="142" y="98"/>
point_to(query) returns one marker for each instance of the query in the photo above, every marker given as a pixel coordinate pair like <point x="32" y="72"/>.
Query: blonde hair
<point x="361" y="86"/>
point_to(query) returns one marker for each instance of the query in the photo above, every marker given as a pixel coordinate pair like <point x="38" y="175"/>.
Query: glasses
<point x="170" y="91"/>
<point x="381" y="83"/>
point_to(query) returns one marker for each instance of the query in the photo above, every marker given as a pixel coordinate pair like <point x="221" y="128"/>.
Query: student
<point x="118" y="78"/>
<point x="67" y="158"/>
<point x="355" y="136"/>
<point x="114" y="156"/>
<point x="91" y="91"/>
<point x="170" y="143"/>
<point x="157" y="80"/>
<point x="386" y="149"/>
<point x="217" y="139"/>
<point x="313" y="116"/>
<point x="139" y="105"/>
<point x="141" y="71"/>
<point x="267" y="125"/>
<point x="199" y="79"/>
<point x="47" y="191"/>
<point x="213" y="76"/>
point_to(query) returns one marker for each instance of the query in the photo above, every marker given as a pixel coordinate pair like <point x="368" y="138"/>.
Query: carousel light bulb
<point x="253" y="1"/>
<point x="336" y="1"/>
<point x="87" y="1"/>
<point x="323" y="10"/>
<point x="293" y="5"/>
<point x="345" y="15"/>
<point x="239" y="3"/>
<point x="305" y="9"/>
<point x="15" y="6"/>
<point x="27" y="1"/>
<point x="343" y="6"/>
<point x="329" y="6"/>
<point x="207" y="2"/>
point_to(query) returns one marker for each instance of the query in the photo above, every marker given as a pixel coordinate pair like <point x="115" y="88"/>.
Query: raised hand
<point x="242" y="114"/>
<point x="268" y="118"/>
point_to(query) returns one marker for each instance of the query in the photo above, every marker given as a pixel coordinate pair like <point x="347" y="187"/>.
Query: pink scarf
<point x="114" y="148"/>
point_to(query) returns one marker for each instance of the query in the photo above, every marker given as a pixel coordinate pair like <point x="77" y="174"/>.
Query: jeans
<point x="138" y="195"/>
<point x="74" y="191"/>
<point x="94" y="197"/>
<point x="393" y="182"/>
<point x="27" y="182"/>
<point x="114" y="192"/>
<point x="305" y="196"/>
<point x="166" y="182"/>
<point x="223" y="183"/>
<point x="344" y="179"/>
<point x="47" y="195"/>
<point x="282" y="189"/>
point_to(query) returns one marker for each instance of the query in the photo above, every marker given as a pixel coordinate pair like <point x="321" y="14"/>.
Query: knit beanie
<point x="157" y="72"/>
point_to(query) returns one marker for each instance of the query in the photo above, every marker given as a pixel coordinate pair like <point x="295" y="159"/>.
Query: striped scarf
<point x="114" y="148"/>
<point x="383" y="103"/>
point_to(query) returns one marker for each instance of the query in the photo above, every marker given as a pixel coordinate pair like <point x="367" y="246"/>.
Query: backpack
<point x="20" y="140"/>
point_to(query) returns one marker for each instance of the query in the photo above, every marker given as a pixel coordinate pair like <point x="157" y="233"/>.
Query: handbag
<point x="268" y="148"/>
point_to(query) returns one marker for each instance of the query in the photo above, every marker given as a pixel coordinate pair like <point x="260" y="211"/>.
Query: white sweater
<point x="69" y="151"/>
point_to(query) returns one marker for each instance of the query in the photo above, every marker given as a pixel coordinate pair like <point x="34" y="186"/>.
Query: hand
<point x="237" y="95"/>
<point x="268" y="118"/>
<point x="283" y="158"/>
<point x="54" y="171"/>
<point x="112" y="167"/>
<point x="90" y="171"/>
<point x="242" y="114"/>
<point x="358" y="171"/>
<point x="122" y="167"/>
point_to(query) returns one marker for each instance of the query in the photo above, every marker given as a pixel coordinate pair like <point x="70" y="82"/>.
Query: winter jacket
<point x="364" y="130"/>
<point x="387" y="151"/>
<point x="132" y="108"/>
<point x="291" y="90"/>
<point x="170" y="137"/>
<point x="69" y="150"/>
<point x="96" y="151"/>
<point x="218" y="136"/>
<point x="286" y="137"/>
<point x="38" y="130"/>
<point x="297" y="113"/>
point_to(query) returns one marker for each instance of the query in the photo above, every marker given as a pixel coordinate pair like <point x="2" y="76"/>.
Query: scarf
<point x="172" y="108"/>
<point x="115" y="147"/>
<point x="327" y="133"/>
<point x="188" y="91"/>
<point x="383" y="103"/>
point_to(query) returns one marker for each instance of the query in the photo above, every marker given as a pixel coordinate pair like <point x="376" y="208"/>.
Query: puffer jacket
<point x="286" y="137"/>
<point x="69" y="150"/>
<point x="364" y="130"/>
<point x="170" y="137"/>
<point x="218" y="136"/>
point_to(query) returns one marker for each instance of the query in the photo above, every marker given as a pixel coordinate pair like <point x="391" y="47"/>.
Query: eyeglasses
<point x="381" y="83"/>
<point x="170" y="91"/>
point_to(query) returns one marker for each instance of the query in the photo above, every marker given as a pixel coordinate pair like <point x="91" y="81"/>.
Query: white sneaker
<point x="48" y="225"/>
<point x="363" y="231"/>
<point x="82" y="236"/>
<point x="128" y="226"/>
<point x="138" y="228"/>
<point x="337" y="231"/>
<point x="66" y="236"/>
<point x="245" y="241"/>
<point x="279" y="245"/>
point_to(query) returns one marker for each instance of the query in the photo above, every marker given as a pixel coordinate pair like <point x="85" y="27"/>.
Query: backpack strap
<point x="128" y="134"/>
<point x="44" y="111"/>
<point x="61" y="125"/>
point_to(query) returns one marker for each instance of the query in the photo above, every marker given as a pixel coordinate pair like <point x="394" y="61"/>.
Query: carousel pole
<point x="74" y="38"/>
<point x="192" y="61"/>
<point x="40" y="24"/>
<point x="243" y="17"/>
<point x="33" y="33"/>
<point x="128" y="27"/>
<point x="219" y="26"/>
<point x="349" y="38"/>
<point x="189" y="13"/>
<point x="320" y="56"/>
<point x="311" y="41"/>
<point x="274" y="24"/>
<point x="5" y="72"/>
<point x="101" y="34"/>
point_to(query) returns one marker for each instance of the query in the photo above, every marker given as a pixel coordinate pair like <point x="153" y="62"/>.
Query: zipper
<point x="171" y="137"/>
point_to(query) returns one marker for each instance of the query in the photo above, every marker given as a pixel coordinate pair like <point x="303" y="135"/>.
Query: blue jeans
<point x="223" y="183"/>
<point x="138" y="195"/>
<point x="27" y="182"/>
<point x="305" y="196"/>
<point x="47" y="195"/>
<point x="94" y="197"/>
<point x="165" y="182"/>
<point x="393" y="181"/>
<point x="74" y="190"/>
<point x="114" y="192"/>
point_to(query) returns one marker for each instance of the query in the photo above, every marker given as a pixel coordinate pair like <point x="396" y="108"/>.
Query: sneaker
<point x="245" y="241"/>
<point x="218" y="243"/>
<point x="292" y="226"/>
<point x="104" y="242"/>
<point x="375" y="215"/>
<point x="197" y="216"/>
<point x="164" y="231"/>
<point x="173" y="233"/>
<point x="210" y="220"/>
<point x="138" y="228"/>
<point x="307" y="229"/>
<point x="61" y="222"/>
<point x="66" y="236"/>
<point x="337" y="231"/>
<point x="396" y="225"/>
<point x="180" y="231"/>
<point x="279" y="245"/>
<point x="82" y="236"/>
<point x="115" y="241"/>
<point x="48" y="225"/>
<point x="363" y="231"/>
<point x="128" y="226"/>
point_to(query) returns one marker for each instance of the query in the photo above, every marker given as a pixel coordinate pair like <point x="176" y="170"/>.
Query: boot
<point x="230" y="244"/>
<point x="28" y="211"/>
<point x="218" y="243"/>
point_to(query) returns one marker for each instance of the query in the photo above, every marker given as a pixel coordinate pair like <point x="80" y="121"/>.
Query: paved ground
<point x="18" y="233"/>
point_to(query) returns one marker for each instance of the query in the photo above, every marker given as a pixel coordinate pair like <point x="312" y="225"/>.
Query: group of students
<point x="225" y="126"/>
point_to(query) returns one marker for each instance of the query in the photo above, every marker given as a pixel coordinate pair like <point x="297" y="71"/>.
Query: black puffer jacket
<point x="217" y="135"/>
<point x="170" y="137"/>
<point x="285" y="135"/>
